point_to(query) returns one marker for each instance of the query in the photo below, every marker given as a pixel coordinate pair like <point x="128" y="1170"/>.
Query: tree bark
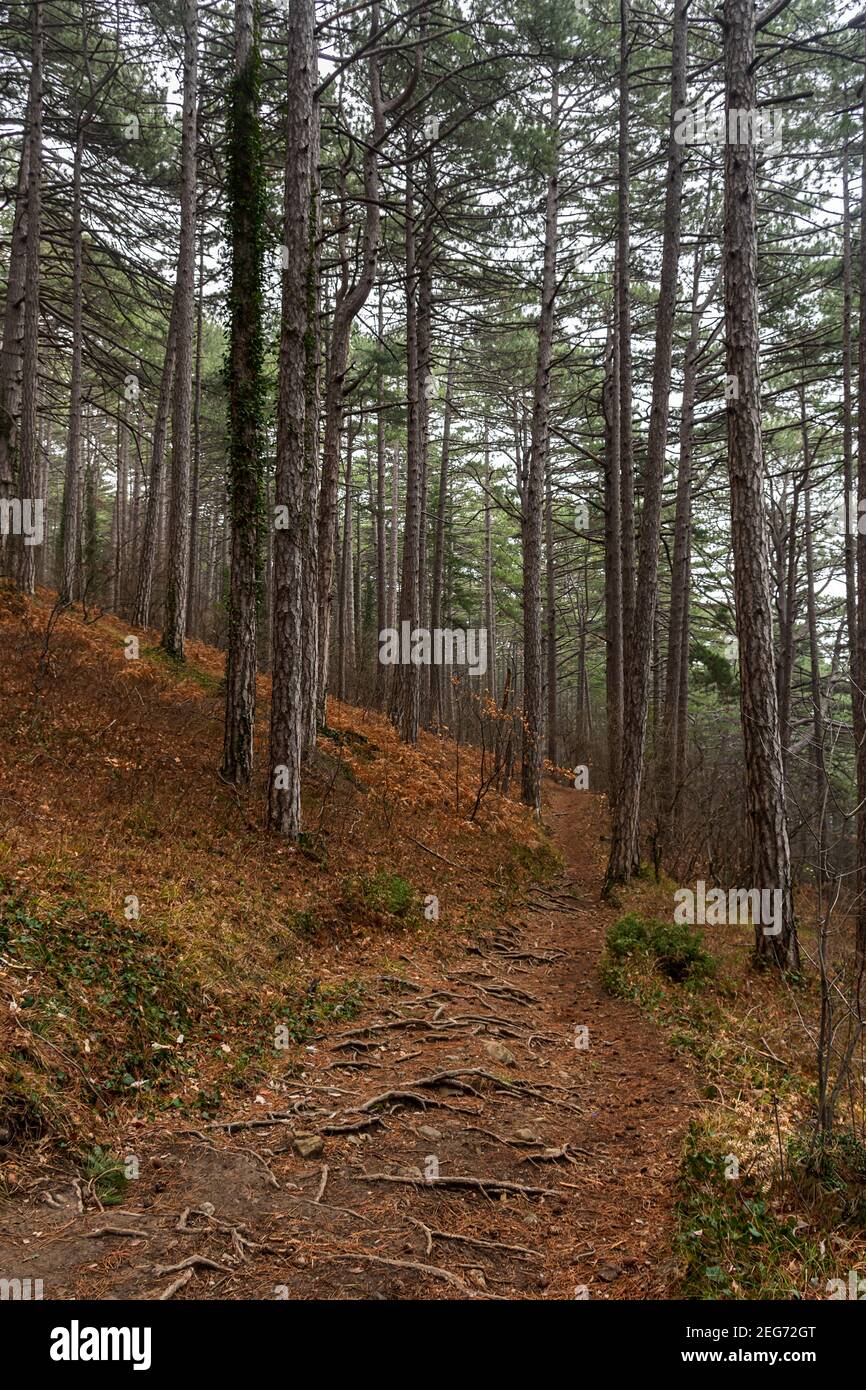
<point x="11" y="357"/>
<point x="765" y="790"/>
<point x="623" y="336"/>
<point x="860" y="717"/>
<point x="246" y="214"/>
<point x="290" y="542"/>
<point x="150" y="535"/>
<point x="533" y="497"/>
<point x="29" y="436"/>
<point x="350" y="301"/>
<point x="550" y="616"/>
<point x="194" y="582"/>
<point x="174" y="621"/>
<point x="613" y="561"/>
<point x="407" y="680"/>
<point x="625" y="846"/>
<point x="310" y="657"/>
<point x="381" y="531"/>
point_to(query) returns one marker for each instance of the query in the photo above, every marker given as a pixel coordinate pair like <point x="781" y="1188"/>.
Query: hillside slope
<point x="153" y="934"/>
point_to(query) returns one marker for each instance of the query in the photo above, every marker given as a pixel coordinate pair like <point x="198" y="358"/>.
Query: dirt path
<point x="415" y="1126"/>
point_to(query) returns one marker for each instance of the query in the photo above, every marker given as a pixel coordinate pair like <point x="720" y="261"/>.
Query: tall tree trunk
<point x="350" y="301"/>
<point x="426" y="381"/>
<point x="290" y="542"/>
<point x="765" y="790"/>
<point x="310" y="656"/>
<point x="174" y="621"/>
<point x="153" y="509"/>
<point x="533" y="498"/>
<point x="550" y="616"/>
<point x="613" y="633"/>
<point x="850" y="516"/>
<point x="677" y="667"/>
<point x="194" y="580"/>
<point x="436" y="715"/>
<point x="29" y="467"/>
<point x="71" y="513"/>
<point x="623" y="335"/>
<point x="625" y="845"/>
<point x="11" y="355"/>
<point x="119" y="518"/>
<point x="346" y="656"/>
<point x="407" y="683"/>
<point x="489" y="604"/>
<point x="381" y="531"/>
<point x="814" y="651"/>
<point x="860" y="716"/>
<point x="246" y="214"/>
<point x="393" y="538"/>
<point x="787" y="605"/>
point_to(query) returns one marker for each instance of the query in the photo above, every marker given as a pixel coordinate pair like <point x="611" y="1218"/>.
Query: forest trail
<point x="392" y="1171"/>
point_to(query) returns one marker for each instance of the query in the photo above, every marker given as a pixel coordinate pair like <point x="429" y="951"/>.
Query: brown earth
<point x="463" y="1082"/>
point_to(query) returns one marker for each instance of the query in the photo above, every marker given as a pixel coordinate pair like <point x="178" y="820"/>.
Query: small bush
<point x="676" y="948"/>
<point x="384" y="892"/>
<point x="106" y="1175"/>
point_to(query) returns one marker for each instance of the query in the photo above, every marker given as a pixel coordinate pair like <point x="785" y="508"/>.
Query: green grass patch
<point x="676" y="950"/>
<point x="736" y="1237"/>
<point x="182" y="670"/>
<point x="307" y="1013"/>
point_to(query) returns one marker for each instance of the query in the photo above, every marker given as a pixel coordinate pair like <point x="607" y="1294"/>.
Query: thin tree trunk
<point x="623" y="337"/>
<point x="381" y="536"/>
<point x="814" y="653"/>
<point x="860" y="716"/>
<point x="765" y="790"/>
<point x="290" y="542"/>
<point x="436" y="707"/>
<point x="489" y="604"/>
<point x="153" y="510"/>
<point x="309" y="639"/>
<point x="11" y="356"/>
<point x="625" y="846"/>
<point x="393" y="546"/>
<point x="550" y="616"/>
<point x="350" y="301"/>
<point x="246" y="184"/>
<point x="533" y="499"/>
<point x="71" y="514"/>
<point x="346" y="655"/>
<point x="613" y="563"/>
<point x="194" y="581"/>
<point x="675" y="711"/>
<point x="174" y="620"/>
<point x="406" y="688"/>
<point x="29" y="438"/>
<point x="851" y="523"/>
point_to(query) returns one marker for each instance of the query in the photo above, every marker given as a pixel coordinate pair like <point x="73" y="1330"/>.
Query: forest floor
<point x="413" y="1056"/>
<point x="460" y="1111"/>
<point x="491" y="1126"/>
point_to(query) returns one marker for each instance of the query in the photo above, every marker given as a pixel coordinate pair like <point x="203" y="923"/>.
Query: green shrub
<point x="676" y="947"/>
<point x="384" y="892"/>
